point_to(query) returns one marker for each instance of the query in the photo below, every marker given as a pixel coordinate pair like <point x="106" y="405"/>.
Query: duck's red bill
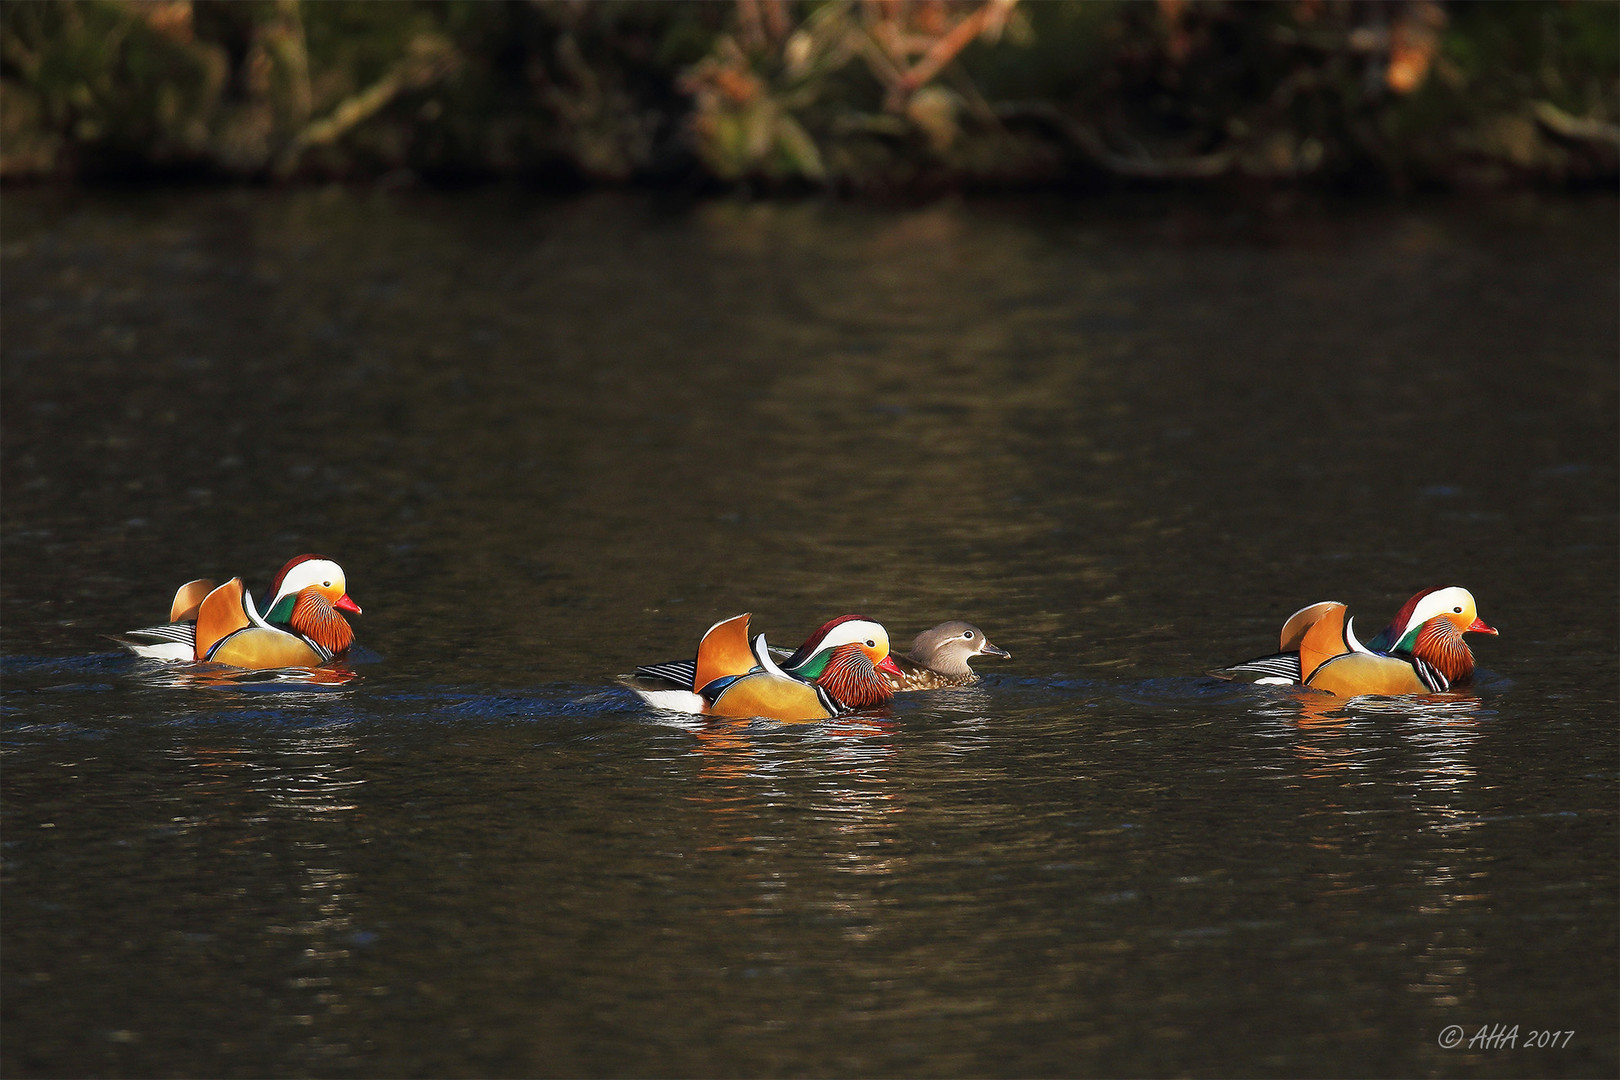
<point x="889" y="667"/>
<point x="343" y="603"/>
<point x="1479" y="627"/>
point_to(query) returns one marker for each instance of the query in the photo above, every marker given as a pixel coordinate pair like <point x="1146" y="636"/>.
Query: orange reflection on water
<point x="794" y="800"/>
<point x="1416" y="749"/>
<point x="292" y="801"/>
<point x="1325" y="724"/>
<point x="726" y="746"/>
<point x="222" y="676"/>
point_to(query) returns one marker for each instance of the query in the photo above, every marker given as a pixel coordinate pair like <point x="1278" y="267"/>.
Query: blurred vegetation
<point x="880" y="95"/>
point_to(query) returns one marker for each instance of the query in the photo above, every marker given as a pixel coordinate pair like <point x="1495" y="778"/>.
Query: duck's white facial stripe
<point x="314" y="572"/>
<point x="1444" y="602"/>
<point x="861" y="630"/>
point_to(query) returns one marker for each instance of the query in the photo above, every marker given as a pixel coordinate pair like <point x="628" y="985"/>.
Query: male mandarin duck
<point x="1420" y="652"/>
<point x="939" y="657"/>
<point x="223" y="626"/>
<point x="843" y="667"/>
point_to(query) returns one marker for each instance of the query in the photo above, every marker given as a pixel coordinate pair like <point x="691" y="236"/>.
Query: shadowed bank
<point x="904" y="97"/>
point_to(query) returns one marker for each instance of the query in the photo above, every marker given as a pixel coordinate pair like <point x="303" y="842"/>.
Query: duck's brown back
<point x="918" y="676"/>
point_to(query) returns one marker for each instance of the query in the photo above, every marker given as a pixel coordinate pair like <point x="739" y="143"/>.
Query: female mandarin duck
<point x="939" y="657"/>
<point x="222" y="625"/>
<point x="1421" y="652"/>
<point x="844" y="666"/>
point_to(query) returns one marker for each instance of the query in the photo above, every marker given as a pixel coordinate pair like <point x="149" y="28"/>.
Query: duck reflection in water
<point x="1308" y="710"/>
<point x="282" y="810"/>
<point x="778" y="796"/>
<point x="1330" y="732"/>
<point x="741" y="749"/>
<point x="321" y="680"/>
<point x="1406" y="755"/>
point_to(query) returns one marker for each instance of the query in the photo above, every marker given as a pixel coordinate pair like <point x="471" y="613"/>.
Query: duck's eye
<point x="870" y="644"/>
<point x="1458" y="610"/>
<point x="328" y="585"/>
<point x="968" y="634"/>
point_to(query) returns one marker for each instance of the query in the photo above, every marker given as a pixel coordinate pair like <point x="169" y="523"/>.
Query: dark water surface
<point x="551" y="440"/>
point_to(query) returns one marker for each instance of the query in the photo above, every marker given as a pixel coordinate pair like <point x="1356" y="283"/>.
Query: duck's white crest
<point x="322" y="572"/>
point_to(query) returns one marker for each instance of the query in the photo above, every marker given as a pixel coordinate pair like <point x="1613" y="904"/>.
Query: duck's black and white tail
<point x="678" y="673"/>
<point x="1278" y="669"/>
<point x="172" y="642"/>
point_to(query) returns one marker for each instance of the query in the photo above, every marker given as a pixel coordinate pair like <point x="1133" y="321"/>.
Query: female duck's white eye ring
<point x="968" y="634"/>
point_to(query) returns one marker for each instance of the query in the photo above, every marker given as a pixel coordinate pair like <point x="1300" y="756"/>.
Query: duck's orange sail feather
<point x="220" y="615"/>
<point x="1323" y="639"/>
<point x="724" y="651"/>
<point x="1293" y="631"/>
<point x="188" y="598"/>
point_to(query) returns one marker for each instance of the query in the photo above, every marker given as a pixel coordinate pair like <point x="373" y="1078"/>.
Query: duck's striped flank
<point x="1432" y="676"/>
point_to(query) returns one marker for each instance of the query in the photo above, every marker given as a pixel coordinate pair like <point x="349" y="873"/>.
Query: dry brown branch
<point x="430" y="59"/>
<point x="1578" y="128"/>
<point x="1091" y="144"/>
<point x="750" y="28"/>
<point x="988" y="18"/>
